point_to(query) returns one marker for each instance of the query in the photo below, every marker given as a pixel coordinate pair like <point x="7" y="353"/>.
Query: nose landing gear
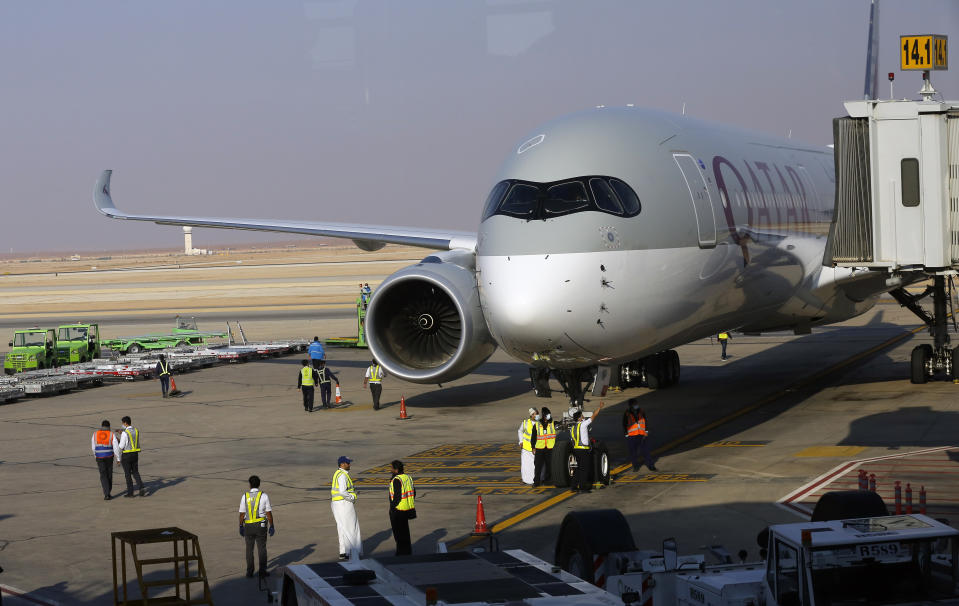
<point x="655" y="372"/>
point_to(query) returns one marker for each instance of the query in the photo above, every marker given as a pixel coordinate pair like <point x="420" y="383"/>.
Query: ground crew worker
<point x="374" y="376"/>
<point x="130" y="456"/>
<point x="368" y="292"/>
<point x="402" y="507"/>
<point x="344" y="512"/>
<point x="634" y="424"/>
<point x="723" y="340"/>
<point x="326" y="378"/>
<point x="543" y="445"/>
<point x="316" y="352"/>
<point x="106" y="450"/>
<point x="255" y="512"/>
<point x="163" y="372"/>
<point x="581" y="450"/>
<point x="363" y="300"/>
<point x="307" y="378"/>
<point x="524" y="434"/>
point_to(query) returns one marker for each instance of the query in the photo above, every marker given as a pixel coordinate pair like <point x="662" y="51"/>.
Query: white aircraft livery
<point x="610" y="237"/>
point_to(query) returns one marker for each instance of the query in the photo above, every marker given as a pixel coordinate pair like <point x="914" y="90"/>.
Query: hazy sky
<point x="394" y="112"/>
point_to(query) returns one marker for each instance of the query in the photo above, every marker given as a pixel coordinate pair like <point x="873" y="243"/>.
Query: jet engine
<point x="425" y="324"/>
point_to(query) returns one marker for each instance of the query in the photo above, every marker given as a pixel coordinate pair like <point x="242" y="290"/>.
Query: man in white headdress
<point x="525" y="434"/>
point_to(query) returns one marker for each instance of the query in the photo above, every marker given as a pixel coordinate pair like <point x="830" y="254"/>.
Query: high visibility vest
<point x="334" y="490"/>
<point x="528" y="434"/>
<point x="545" y="438"/>
<point x="638" y="427"/>
<point x="406" y="498"/>
<point x="253" y="508"/>
<point x="134" y="438"/>
<point x="164" y="368"/>
<point x="306" y="376"/>
<point x="375" y="371"/>
<point x="723" y="336"/>
<point x="575" y="433"/>
<point x="104" y="443"/>
<point x="324" y="376"/>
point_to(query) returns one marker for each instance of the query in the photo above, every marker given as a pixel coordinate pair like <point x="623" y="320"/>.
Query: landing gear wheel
<point x="561" y="473"/>
<point x="601" y="464"/>
<point x="920" y="355"/>
<point x="134" y="349"/>
<point x="673" y="357"/>
<point x="585" y="534"/>
<point x="654" y="372"/>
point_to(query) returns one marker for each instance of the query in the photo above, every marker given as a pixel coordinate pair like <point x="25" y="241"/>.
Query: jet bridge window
<point x="529" y="200"/>
<point x="909" y="167"/>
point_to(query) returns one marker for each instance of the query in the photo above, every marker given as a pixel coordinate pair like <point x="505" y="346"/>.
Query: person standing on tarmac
<point x="374" y="376"/>
<point x="344" y="512"/>
<point x="526" y="434"/>
<point x="106" y="449"/>
<point x="163" y="372"/>
<point x="543" y="445"/>
<point x="579" y="434"/>
<point x="723" y="340"/>
<point x="634" y="424"/>
<point x="255" y="512"/>
<point x="325" y="377"/>
<point x="305" y="382"/>
<point x="130" y="456"/>
<point x="402" y="507"/>
<point x="315" y="350"/>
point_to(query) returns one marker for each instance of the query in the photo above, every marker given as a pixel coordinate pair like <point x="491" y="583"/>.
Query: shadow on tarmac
<point x="907" y="426"/>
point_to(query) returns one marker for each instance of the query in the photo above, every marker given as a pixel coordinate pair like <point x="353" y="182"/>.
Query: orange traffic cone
<point x="339" y="398"/>
<point x="403" y="415"/>
<point x="173" y="390"/>
<point x="480" y="526"/>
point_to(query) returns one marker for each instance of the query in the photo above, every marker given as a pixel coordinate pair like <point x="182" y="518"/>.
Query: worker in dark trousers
<point x="634" y="424"/>
<point x="326" y="378"/>
<point x="163" y="373"/>
<point x="130" y="456"/>
<point x="543" y="447"/>
<point x="402" y="507"/>
<point x="255" y="512"/>
<point x="305" y="382"/>
<point x="106" y="449"/>
<point x="316" y="352"/>
<point x="374" y="376"/>
<point x="723" y="340"/>
<point x="579" y="434"/>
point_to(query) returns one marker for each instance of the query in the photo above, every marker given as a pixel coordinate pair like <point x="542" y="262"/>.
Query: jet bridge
<point x="897" y="208"/>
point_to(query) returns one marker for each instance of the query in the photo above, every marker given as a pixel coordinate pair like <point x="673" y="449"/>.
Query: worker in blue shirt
<point x="316" y="352"/>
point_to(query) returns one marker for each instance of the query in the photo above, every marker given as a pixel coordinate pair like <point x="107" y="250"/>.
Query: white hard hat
<point x="532" y="411"/>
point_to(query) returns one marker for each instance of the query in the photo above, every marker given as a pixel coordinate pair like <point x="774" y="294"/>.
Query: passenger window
<point x="520" y="201"/>
<point x="605" y="198"/>
<point x="565" y="198"/>
<point x="909" y="167"/>
<point x="627" y="196"/>
<point x="787" y="575"/>
<point x="493" y="200"/>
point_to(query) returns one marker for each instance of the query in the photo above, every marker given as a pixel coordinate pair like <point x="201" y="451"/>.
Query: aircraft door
<point x="701" y="199"/>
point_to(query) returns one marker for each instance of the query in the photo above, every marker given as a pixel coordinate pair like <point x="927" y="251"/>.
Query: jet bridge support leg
<point x="927" y="360"/>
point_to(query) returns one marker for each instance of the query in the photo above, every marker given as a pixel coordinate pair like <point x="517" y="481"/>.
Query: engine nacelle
<point x="425" y="323"/>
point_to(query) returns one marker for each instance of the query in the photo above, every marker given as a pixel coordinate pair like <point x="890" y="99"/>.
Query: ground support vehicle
<point x="461" y="577"/>
<point x="185" y="333"/>
<point x="34" y="348"/>
<point x="900" y="559"/>
<point x="360" y="339"/>
<point x="77" y="343"/>
<point x="10" y="392"/>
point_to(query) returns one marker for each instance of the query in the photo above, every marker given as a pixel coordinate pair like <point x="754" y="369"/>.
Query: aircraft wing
<point x="367" y="237"/>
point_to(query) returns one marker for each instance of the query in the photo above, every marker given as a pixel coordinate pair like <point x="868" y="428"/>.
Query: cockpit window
<point x="565" y="198"/>
<point x="605" y="198"/>
<point x="529" y="200"/>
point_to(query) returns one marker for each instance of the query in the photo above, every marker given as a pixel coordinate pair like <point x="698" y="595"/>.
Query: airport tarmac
<point x="735" y="438"/>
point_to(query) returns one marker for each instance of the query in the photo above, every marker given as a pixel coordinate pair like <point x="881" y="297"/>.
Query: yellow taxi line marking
<point x="539" y="507"/>
<point x="182" y="310"/>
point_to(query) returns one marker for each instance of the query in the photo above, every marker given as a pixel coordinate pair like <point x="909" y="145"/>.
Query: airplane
<point x="610" y="237"/>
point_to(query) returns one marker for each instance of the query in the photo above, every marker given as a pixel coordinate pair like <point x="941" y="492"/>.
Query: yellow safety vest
<point x="723" y="336"/>
<point x="324" y="376"/>
<point x="575" y="433"/>
<point x="528" y="434"/>
<point x="334" y="490"/>
<point x="375" y="374"/>
<point x="306" y="376"/>
<point x="406" y="499"/>
<point x="545" y="438"/>
<point x="164" y="368"/>
<point x="253" y="508"/>
<point x="133" y="438"/>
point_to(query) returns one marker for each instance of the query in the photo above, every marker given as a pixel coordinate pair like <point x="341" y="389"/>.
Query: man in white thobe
<point x="527" y="459"/>
<point x="344" y="512"/>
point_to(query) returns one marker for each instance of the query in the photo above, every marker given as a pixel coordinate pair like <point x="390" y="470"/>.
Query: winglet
<point x="101" y="196"/>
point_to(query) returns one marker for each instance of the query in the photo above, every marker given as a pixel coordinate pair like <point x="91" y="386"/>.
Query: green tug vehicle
<point x="33" y="349"/>
<point x="185" y="333"/>
<point x="77" y="343"/>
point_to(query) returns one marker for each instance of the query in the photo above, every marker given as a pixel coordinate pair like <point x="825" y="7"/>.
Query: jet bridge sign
<point x="923" y="52"/>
